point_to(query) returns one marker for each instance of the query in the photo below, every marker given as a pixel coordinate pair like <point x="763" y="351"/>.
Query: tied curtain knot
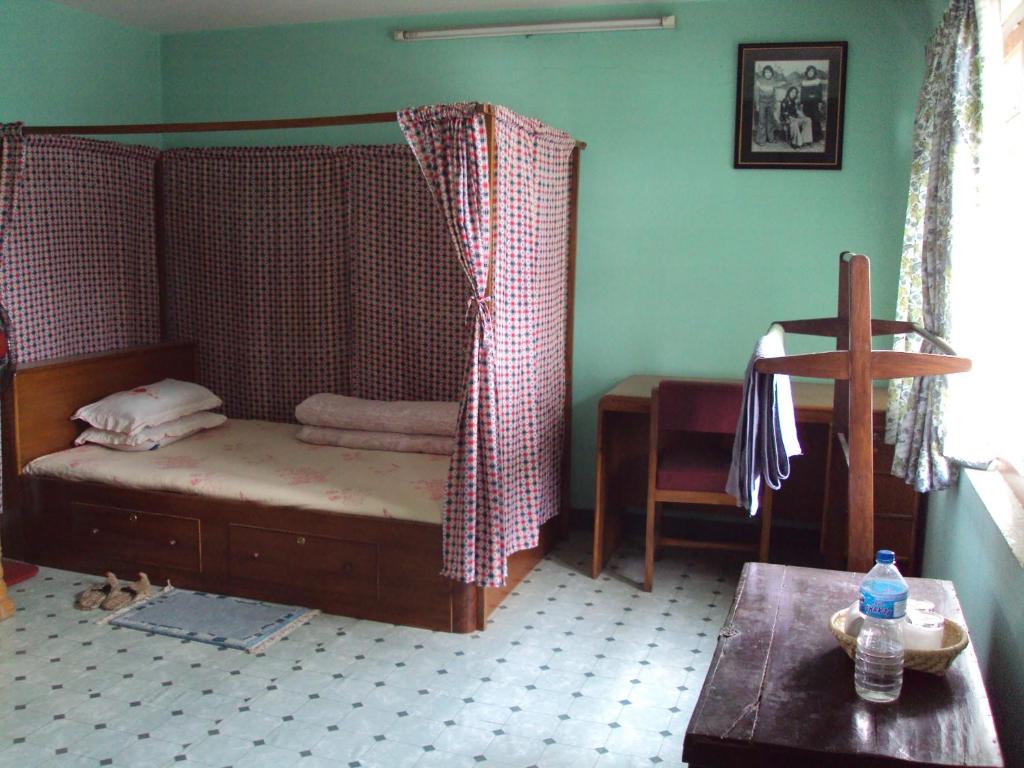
<point x="482" y="305"/>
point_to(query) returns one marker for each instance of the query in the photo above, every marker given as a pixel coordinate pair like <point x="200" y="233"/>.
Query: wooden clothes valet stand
<point x="857" y="364"/>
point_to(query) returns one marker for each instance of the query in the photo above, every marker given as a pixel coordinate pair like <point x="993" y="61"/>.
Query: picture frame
<point x="790" y="100"/>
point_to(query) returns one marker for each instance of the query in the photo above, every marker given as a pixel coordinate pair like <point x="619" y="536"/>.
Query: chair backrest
<point x="699" y="406"/>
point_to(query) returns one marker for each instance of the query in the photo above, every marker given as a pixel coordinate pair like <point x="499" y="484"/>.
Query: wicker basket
<point x="954" y="640"/>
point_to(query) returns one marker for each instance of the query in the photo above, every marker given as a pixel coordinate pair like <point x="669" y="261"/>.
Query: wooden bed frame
<point x="371" y="568"/>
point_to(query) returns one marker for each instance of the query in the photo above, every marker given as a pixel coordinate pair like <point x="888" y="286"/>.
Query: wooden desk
<point x="780" y="690"/>
<point x="623" y="423"/>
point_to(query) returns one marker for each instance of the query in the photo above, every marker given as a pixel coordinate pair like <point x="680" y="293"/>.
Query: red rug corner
<point x="16" y="571"/>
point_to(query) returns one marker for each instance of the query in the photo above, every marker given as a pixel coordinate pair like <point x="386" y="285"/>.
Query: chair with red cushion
<point x="692" y="429"/>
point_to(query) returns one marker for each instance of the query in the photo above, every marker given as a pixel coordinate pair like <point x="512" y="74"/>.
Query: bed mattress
<point x="262" y="461"/>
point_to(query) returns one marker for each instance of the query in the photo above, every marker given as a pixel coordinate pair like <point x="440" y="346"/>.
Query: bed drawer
<point x="146" y="538"/>
<point x="300" y="560"/>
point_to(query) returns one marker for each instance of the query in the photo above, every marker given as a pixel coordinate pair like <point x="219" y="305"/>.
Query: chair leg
<point x="659" y="510"/>
<point x="650" y="542"/>
<point x="766" y="525"/>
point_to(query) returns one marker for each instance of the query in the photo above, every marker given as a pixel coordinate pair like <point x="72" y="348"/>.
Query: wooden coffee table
<point x="780" y="690"/>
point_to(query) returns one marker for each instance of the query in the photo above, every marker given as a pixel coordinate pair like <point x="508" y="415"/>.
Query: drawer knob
<point x="95" y="531"/>
<point x="173" y="542"/>
<point x="300" y="540"/>
<point x="133" y="517"/>
<point x="255" y="555"/>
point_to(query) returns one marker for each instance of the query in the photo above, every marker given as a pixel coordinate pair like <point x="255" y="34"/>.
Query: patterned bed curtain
<point x="78" y="271"/>
<point x="506" y="477"/>
<point x="407" y="291"/>
<point x="11" y="151"/>
<point x="450" y="143"/>
<point x="300" y="270"/>
<point x="12" y="147"/>
<point x="946" y="132"/>
<point x="530" y="305"/>
<point x="255" y="274"/>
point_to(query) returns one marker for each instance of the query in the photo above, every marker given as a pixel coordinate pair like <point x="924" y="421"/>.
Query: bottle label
<point x="883" y="601"/>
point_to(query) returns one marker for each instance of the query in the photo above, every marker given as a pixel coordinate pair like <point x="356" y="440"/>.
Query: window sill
<point x="1002" y="493"/>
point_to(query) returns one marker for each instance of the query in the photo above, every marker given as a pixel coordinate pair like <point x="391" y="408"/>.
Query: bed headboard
<point x="43" y="396"/>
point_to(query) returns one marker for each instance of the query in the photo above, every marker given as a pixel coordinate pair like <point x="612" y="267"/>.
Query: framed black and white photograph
<point x="789" y="105"/>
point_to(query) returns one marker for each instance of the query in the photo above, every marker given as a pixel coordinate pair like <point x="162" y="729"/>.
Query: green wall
<point x="683" y="261"/>
<point x="61" y="66"/>
<point x="964" y="544"/>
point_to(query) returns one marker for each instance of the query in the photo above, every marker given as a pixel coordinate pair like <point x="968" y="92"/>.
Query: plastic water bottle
<point x="878" y="667"/>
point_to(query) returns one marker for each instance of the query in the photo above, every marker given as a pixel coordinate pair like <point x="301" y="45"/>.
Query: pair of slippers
<point x="112" y="595"/>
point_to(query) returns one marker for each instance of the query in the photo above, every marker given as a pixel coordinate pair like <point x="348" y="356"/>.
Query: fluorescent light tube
<point x="544" y="28"/>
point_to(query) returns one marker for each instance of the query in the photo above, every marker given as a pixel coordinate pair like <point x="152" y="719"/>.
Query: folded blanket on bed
<point x="401" y="417"/>
<point x="378" y="441"/>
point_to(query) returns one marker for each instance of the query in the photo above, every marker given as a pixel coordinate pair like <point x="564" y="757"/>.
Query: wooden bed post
<point x="482" y="607"/>
<point x="11" y="481"/>
<point x="209" y="127"/>
<point x="6" y="604"/>
<point x="492" y="183"/>
<point x="570" y="312"/>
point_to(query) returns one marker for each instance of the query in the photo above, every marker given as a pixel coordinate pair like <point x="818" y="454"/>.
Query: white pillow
<point x="153" y="437"/>
<point x="134" y="410"/>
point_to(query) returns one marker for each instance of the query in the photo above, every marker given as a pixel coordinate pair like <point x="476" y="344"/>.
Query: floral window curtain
<point x="946" y="132"/>
<point x="450" y="143"/>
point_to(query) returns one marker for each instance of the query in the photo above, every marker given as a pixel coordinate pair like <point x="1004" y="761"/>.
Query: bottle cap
<point x="885" y="557"/>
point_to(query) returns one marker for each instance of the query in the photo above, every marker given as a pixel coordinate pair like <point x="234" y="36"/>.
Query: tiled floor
<point x="571" y="672"/>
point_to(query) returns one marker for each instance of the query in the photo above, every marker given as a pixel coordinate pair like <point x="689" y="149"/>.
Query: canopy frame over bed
<point x="428" y="135"/>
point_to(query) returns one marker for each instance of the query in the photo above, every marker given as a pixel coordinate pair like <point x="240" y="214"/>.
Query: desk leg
<point x="600" y="499"/>
<point x="612" y="451"/>
<point x="621" y="478"/>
